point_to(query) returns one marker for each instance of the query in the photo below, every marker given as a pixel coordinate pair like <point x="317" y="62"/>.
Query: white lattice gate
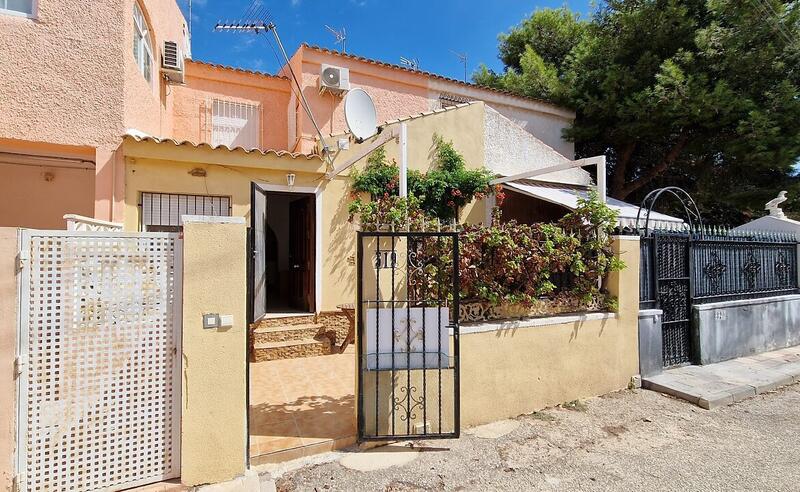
<point x="99" y="345"/>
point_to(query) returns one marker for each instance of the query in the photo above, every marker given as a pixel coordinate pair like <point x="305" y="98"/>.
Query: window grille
<point x="235" y="124"/>
<point x="161" y="212"/>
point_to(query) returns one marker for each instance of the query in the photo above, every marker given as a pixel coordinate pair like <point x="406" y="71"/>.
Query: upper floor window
<point x="142" y="49"/>
<point x="18" y="7"/>
<point x="235" y="124"/>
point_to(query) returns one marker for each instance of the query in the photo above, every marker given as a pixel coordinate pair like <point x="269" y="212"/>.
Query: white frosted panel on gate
<point x="427" y="329"/>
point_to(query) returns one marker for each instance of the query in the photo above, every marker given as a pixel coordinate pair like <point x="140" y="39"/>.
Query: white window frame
<point x="143" y="46"/>
<point x="17" y="13"/>
<point x="232" y="121"/>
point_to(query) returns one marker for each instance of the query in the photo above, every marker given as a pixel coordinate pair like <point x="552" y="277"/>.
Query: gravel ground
<point x="630" y="440"/>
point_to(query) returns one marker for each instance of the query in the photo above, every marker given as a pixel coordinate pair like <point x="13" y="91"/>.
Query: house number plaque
<point x="386" y="259"/>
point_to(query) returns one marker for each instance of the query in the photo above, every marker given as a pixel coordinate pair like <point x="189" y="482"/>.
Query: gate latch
<point x="19" y="364"/>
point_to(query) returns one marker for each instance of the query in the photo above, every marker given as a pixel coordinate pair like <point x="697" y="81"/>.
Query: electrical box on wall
<point x="214" y="320"/>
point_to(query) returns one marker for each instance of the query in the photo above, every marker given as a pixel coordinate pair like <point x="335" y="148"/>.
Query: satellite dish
<point x="360" y="114"/>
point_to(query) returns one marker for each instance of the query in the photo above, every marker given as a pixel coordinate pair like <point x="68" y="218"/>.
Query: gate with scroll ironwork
<point x="683" y="268"/>
<point x="408" y="339"/>
<point x="98" y="360"/>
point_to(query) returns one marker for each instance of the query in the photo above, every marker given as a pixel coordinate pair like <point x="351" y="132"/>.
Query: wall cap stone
<point x="533" y="322"/>
<point x="620" y="237"/>
<point x="646" y="313"/>
<point x="746" y="302"/>
<point x="208" y="219"/>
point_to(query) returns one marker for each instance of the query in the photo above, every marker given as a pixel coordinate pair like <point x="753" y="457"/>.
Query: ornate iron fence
<point x="681" y="268"/>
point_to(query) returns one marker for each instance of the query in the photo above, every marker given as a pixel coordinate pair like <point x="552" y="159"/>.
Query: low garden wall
<point x="521" y="366"/>
<point x="730" y="329"/>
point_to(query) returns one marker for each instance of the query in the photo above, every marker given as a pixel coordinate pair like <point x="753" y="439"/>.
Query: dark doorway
<point x="289" y="251"/>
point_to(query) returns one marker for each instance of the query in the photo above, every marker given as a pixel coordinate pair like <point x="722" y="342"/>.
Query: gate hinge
<point x="22" y="258"/>
<point x="20" y="484"/>
<point x="19" y="364"/>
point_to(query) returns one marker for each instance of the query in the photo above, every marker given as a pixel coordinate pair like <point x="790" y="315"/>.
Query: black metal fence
<point x="682" y="268"/>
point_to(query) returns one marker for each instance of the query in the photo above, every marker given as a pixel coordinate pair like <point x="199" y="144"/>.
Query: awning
<point x="567" y="196"/>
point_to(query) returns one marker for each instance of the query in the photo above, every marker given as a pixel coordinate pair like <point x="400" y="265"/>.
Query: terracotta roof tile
<point x="237" y="69"/>
<point x="141" y="137"/>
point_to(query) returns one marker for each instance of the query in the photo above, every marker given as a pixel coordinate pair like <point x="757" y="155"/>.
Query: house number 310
<point x="385" y="259"/>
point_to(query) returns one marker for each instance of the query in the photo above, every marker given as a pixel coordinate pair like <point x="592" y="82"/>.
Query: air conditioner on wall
<point x="334" y="79"/>
<point x="172" y="62"/>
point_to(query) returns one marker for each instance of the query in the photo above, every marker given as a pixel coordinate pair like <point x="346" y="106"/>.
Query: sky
<point x="381" y="29"/>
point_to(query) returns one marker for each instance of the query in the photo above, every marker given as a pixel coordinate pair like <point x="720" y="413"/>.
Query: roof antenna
<point x="412" y="63"/>
<point x="463" y="59"/>
<point x="259" y="26"/>
<point x="341" y="36"/>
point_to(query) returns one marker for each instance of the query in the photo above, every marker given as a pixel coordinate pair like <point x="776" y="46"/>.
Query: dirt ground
<point x="630" y="440"/>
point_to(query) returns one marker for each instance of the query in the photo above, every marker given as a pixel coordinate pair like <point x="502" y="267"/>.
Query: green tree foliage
<point x="703" y="94"/>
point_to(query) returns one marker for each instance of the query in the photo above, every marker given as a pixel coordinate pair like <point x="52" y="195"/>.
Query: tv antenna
<point x="462" y="57"/>
<point x="412" y="63"/>
<point x="340" y="35"/>
<point x="262" y="24"/>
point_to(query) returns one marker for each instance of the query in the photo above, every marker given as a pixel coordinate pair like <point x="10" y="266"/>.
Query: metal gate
<point x="98" y="360"/>
<point x="673" y="292"/>
<point x="408" y="340"/>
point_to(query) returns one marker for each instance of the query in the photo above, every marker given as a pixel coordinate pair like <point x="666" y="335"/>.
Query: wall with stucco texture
<point x="8" y="344"/>
<point x="214" y="411"/>
<point x="191" y="114"/>
<point x="61" y="76"/>
<point x="535" y="364"/>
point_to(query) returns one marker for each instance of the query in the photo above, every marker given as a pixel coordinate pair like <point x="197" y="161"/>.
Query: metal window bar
<point x="235" y="123"/>
<point x="166" y="209"/>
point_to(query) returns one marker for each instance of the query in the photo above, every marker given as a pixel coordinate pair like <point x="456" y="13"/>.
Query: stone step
<point x="266" y="334"/>
<point x="291" y="349"/>
<point x="305" y="319"/>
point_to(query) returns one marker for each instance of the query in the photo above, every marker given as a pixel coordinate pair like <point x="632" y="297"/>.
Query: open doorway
<point x="284" y="252"/>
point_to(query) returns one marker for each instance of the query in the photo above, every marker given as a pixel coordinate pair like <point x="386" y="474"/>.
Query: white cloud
<point x="295" y="3"/>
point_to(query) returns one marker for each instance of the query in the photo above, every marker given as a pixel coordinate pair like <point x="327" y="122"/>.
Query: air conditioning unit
<point x="172" y="62"/>
<point x="334" y="79"/>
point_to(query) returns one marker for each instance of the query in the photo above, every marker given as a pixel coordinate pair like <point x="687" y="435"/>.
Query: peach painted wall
<point x="191" y="116"/>
<point x="396" y="93"/>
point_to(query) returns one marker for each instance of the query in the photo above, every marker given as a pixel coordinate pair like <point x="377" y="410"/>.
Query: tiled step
<point x="291" y="349"/>
<point x="267" y="334"/>
<point x="305" y="319"/>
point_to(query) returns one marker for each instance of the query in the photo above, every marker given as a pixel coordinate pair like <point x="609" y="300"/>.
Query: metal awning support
<point x="599" y="161"/>
<point x="382" y="140"/>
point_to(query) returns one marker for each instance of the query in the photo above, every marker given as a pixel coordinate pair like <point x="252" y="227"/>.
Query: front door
<point x="301" y="254"/>
<point x="258" y="265"/>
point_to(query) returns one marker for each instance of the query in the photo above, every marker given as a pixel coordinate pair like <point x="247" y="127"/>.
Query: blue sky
<point x="380" y="29"/>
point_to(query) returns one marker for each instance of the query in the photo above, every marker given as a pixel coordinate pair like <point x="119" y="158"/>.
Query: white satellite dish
<point x="360" y="114"/>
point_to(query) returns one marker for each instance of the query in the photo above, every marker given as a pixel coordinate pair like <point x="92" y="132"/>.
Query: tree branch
<point x="658" y="169"/>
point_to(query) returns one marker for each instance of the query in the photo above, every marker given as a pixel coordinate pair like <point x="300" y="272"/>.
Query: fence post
<point x="214" y="350"/>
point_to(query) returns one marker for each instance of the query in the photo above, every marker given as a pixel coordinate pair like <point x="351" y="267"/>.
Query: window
<point x="235" y="124"/>
<point x="142" y="49"/>
<point x="18" y="7"/>
<point x="161" y="212"/>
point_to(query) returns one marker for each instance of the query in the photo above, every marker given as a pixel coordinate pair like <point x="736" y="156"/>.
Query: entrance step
<point x="267" y="334"/>
<point x="304" y="319"/>
<point x="291" y="349"/>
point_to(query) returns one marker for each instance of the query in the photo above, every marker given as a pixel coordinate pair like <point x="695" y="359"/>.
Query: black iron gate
<point x="673" y="293"/>
<point x="408" y="340"/>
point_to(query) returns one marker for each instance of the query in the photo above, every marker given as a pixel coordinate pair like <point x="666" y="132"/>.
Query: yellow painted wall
<point x="8" y="341"/>
<point x="511" y="371"/>
<point x="214" y="410"/>
<point x="152" y="167"/>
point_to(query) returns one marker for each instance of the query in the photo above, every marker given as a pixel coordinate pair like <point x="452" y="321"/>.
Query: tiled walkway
<point x="726" y="382"/>
<point x="300" y="407"/>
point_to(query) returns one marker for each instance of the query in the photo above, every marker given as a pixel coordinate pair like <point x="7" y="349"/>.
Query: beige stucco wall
<point x="214" y="410"/>
<point x="8" y="341"/>
<point x="519" y="369"/>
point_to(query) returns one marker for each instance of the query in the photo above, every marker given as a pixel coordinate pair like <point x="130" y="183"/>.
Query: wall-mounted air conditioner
<point x="172" y="62"/>
<point x="334" y="79"/>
